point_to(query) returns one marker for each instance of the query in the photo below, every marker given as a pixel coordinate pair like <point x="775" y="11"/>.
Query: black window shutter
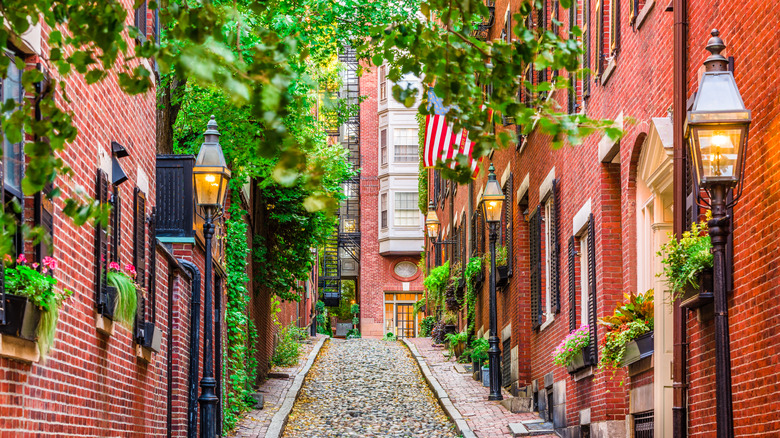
<point x="509" y="226"/>
<point x="153" y="267"/>
<point x="586" y="37"/>
<point x="536" y="268"/>
<point x="481" y="233"/>
<point x="463" y="238"/>
<point x="473" y="236"/>
<point x="592" y="318"/>
<point x="2" y="265"/>
<point x="555" y="250"/>
<point x="140" y="21"/>
<point x="101" y="242"/>
<point x="139" y="234"/>
<point x="116" y="224"/>
<point x="572" y="284"/>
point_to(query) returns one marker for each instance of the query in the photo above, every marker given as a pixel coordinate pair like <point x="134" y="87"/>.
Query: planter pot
<point x="107" y="305"/>
<point x="475" y="366"/>
<point x="577" y="362"/>
<point x="639" y="349"/>
<point x="502" y="275"/>
<point x="21" y="317"/>
<point x="460" y="348"/>
<point x="450" y="328"/>
<point x="150" y="336"/>
<point x="485" y="376"/>
<point x="693" y="298"/>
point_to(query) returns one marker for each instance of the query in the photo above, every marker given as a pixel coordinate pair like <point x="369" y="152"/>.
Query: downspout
<point x="679" y="406"/>
<point x="192" y="401"/>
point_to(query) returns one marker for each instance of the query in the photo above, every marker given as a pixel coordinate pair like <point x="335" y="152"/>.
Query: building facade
<point x="584" y="224"/>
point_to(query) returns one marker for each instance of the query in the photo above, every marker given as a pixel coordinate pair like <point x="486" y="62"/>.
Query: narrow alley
<point x="366" y="388"/>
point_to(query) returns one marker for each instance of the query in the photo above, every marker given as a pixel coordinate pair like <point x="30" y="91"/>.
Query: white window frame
<point x="547" y="261"/>
<point x="383" y="146"/>
<point x="383" y="83"/>
<point x="584" y="277"/>
<point x="383" y="222"/>
<point x="411" y="141"/>
<point x="414" y="196"/>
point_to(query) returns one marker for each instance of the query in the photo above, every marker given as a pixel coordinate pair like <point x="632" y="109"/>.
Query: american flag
<point x="441" y="143"/>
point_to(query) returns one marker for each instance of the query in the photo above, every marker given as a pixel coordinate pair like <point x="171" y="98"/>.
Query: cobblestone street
<point x="366" y="388"/>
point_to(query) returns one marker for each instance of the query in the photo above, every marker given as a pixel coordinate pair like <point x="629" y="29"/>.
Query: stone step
<point x="531" y="428"/>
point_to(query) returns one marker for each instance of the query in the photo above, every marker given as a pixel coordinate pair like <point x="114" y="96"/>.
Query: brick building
<point x="102" y="378"/>
<point x="583" y="225"/>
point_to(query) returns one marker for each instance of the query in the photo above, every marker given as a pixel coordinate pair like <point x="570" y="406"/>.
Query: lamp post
<point x="432" y="224"/>
<point x="492" y="201"/>
<point x="211" y="176"/>
<point x="717" y="131"/>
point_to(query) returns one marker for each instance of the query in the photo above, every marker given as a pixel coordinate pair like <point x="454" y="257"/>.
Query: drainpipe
<point x="679" y="378"/>
<point x="192" y="384"/>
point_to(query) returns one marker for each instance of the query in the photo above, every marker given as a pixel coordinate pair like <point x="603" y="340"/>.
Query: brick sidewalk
<point x="255" y="423"/>
<point x="488" y="419"/>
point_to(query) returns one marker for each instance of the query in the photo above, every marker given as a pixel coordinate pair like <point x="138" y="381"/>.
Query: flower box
<point x="639" y="349"/>
<point x="693" y="298"/>
<point x="107" y="304"/>
<point x="149" y="336"/>
<point x="577" y="362"/>
<point x="21" y="317"/>
<point x="502" y="275"/>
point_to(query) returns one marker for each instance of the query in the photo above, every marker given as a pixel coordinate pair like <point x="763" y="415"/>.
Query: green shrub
<point x="479" y="348"/>
<point x="287" y="350"/>
<point x="389" y="336"/>
<point x="426" y="325"/>
<point x="353" y="334"/>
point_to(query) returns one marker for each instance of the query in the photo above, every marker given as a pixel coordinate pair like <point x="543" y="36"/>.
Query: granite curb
<point x="279" y="420"/>
<point x="441" y="395"/>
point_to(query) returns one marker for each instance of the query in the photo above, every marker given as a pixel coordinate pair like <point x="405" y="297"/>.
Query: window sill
<point x="608" y="71"/>
<point x="583" y="373"/>
<point x="143" y="353"/>
<point x="19" y="349"/>
<point x="640" y="19"/>
<point x="548" y="322"/>
<point x="104" y="325"/>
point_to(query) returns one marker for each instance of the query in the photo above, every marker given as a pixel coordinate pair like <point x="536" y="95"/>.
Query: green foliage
<point x="571" y="345"/>
<point x="450" y="318"/>
<point x="453" y="339"/>
<point x="343" y="311"/>
<point x="473" y="268"/>
<point x="479" y="349"/>
<point x="239" y="351"/>
<point x="422" y="172"/>
<point x="354" y="309"/>
<point x="436" y="283"/>
<point x="389" y="336"/>
<point x="630" y="320"/>
<point x="319" y="306"/>
<point x="502" y="255"/>
<point x="426" y="325"/>
<point x="353" y="334"/>
<point x="39" y="287"/>
<point x="288" y="348"/>
<point x="418" y="306"/>
<point x="126" y="297"/>
<point x="684" y="260"/>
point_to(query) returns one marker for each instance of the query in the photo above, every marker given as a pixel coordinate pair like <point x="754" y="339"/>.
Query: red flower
<point x="50" y="262"/>
<point x="130" y="269"/>
<point x="113" y="266"/>
<point x="21" y="260"/>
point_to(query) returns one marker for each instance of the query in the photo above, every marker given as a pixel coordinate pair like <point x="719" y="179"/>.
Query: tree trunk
<point x="168" y="108"/>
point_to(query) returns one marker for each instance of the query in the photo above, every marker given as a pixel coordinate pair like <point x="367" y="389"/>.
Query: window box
<point x="149" y="336"/>
<point x="639" y="349"/>
<point x="577" y="363"/>
<point x="502" y="275"/>
<point x="21" y="317"/>
<point x="693" y="298"/>
<point x="107" y="305"/>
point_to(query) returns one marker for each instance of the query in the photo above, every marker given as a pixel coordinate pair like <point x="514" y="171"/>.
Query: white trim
<point x="550" y="317"/>
<point x="545" y="188"/>
<point x="580" y="220"/>
<point x="523" y="189"/>
<point x="609" y="148"/>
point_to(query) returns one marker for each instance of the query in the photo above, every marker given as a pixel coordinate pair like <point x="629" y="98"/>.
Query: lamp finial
<point x="716" y="61"/>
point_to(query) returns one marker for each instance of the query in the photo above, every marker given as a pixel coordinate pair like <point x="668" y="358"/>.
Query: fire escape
<point x="345" y="241"/>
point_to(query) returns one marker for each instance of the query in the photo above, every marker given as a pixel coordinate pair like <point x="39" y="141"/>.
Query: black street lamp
<point x="433" y="225"/>
<point x="492" y="201"/>
<point x="211" y="176"/>
<point x="717" y="132"/>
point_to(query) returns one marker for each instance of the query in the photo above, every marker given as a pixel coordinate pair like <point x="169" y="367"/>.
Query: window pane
<point x="406" y="211"/>
<point x="383" y="210"/>
<point x="383" y="145"/>
<point x="405" y="145"/>
<point x="12" y="152"/>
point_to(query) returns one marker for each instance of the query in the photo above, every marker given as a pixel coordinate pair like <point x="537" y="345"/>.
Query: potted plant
<point x="629" y="335"/>
<point x="450" y="320"/>
<point x="32" y="302"/>
<point x="688" y="266"/>
<point x="479" y="348"/>
<point x="126" y="298"/>
<point x="456" y="343"/>
<point x="437" y="333"/>
<point x="570" y="352"/>
<point x="502" y="266"/>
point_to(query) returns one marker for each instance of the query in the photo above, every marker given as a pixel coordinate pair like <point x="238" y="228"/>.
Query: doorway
<point x="399" y="314"/>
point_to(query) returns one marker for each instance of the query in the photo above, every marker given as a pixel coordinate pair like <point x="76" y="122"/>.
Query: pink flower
<point x="114" y="266"/>
<point x="35" y="265"/>
<point x="50" y="262"/>
<point x="130" y="269"/>
<point x="21" y="260"/>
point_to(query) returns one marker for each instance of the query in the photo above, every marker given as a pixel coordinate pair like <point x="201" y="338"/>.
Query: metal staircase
<point x="345" y="241"/>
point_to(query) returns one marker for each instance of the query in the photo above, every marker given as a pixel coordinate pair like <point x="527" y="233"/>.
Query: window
<point x="13" y="153"/>
<point x="139" y="235"/>
<point x="587" y="35"/>
<point x="405" y="145"/>
<point x="383" y="83"/>
<point x="548" y="212"/>
<point x="506" y="222"/>
<point x="383" y="210"/>
<point x="607" y="33"/>
<point x="140" y="22"/>
<point x="406" y="212"/>
<point x="584" y="278"/>
<point x="575" y="79"/>
<point x="383" y="146"/>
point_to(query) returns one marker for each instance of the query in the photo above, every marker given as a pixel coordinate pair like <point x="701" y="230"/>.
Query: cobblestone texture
<point x="366" y="388"/>
<point x="488" y="419"/>
<point x="256" y="422"/>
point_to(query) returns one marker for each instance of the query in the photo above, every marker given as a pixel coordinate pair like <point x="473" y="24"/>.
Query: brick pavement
<point x="488" y="419"/>
<point x="255" y="423"/>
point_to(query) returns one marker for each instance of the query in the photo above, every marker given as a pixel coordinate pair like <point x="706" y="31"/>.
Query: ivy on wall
<point x="422" y="174"/>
